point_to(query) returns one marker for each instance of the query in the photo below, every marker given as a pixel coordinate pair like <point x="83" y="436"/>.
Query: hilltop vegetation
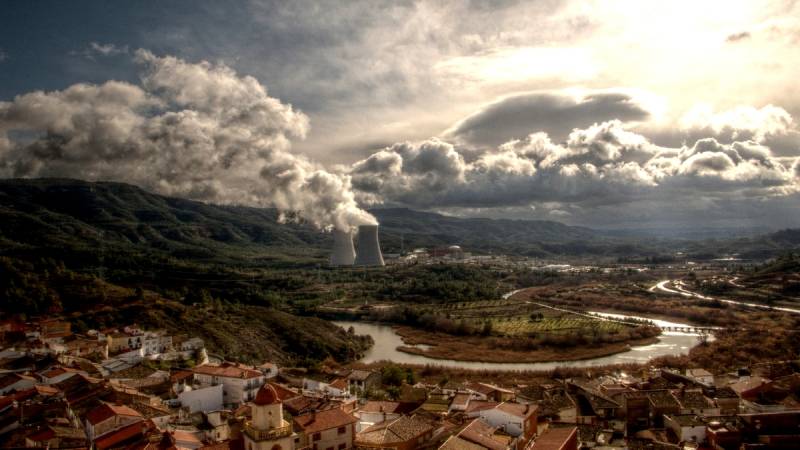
<point x="78" y="248"/>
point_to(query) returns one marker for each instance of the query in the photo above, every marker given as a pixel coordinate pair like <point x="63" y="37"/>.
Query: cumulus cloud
<point x="194" y="130"/>
<point x="603" y="164"/>
<point x="552" y="112"/>
<point x="770" y="125"/>
<point x="743" y="122"/>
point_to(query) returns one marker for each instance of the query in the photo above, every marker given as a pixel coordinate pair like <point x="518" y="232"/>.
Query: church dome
<point x="266" y="396"/>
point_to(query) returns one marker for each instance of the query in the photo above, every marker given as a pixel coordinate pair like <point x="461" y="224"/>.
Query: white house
<point x="155" y="343"/>
<point x="373" y="412"/>
<point x="202" y="399"/>
<point x="688" y="428"/>
<point x="192" y="344"/>
<point x="514" y="418"/>
<point x="239" y="384"/>
<point x="337" y="388"/>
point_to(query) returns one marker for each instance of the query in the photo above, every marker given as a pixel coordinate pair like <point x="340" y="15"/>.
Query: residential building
<point x="57" y="436"/>
<point x="123" y="342"/>
<point x="15" y="382"/>
<point x="155" y="343"/>
<point x="688" y="428"/>
<point x="557" y="439"/>
<point x="477" y="435"/>
<point x="516" y="419"/>
<point x="403" y="433"/>
<point x="701" y="376"/>
<point x="361" y="382"/>
<point x="209" y="398"/>
<point x="107" y="418"/>
<point x="332" y="429"/>
<point x="59" y="374"/>
<point x="373" y="412"/>
<point x="239" y="385"/>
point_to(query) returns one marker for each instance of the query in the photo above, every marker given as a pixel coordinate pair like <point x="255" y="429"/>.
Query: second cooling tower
<point x="343" y="252"/>
<point x="369" y="250"/>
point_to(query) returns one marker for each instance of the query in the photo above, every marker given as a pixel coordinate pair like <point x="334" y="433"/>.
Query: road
<point x="678" y="287"/>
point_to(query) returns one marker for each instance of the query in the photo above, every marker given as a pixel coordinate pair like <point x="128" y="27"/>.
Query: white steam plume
<point x="192" y="130"/>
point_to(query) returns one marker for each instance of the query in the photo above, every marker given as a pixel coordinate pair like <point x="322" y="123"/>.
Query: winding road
<point x="678" y="288"/>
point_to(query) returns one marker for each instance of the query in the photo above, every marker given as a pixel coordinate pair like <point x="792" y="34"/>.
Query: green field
<point x="515" y="318"/>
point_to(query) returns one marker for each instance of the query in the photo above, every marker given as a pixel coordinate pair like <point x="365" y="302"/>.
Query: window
<point x="276" y="447"/>
<point x="342" y="446"/>
<point x="317" y="437"/>
<point x="342" y="430"/>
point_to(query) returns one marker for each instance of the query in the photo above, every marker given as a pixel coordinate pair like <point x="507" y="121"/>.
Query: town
<point x="131" y="388"/>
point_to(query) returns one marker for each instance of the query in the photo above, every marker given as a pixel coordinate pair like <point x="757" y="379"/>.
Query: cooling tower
<point x="369" y="251"/>
<point x="343" y="252"/>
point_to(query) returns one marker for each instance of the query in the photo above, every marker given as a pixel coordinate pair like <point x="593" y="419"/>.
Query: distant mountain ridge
<point x="59" y="217"/>
<point x="77" y="214"/>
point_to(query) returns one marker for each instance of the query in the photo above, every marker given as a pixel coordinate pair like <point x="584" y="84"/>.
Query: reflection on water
<point x="387" y="341"/>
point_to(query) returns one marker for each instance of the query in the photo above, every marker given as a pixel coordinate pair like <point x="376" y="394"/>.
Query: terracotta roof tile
<point x="402" y="429"/>
<point x="554" y="438"/>
<point x="323" y="420"/>
<point x="228" y="371"/>
<point x="106" y="411"/>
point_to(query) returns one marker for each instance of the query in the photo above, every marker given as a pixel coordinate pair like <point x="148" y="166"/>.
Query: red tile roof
<point x="517" y="409"/>
<point x="323" y="420"/>
<point x="126" y="433"/>
<point x="476" y="405"/>
<point x="227" y="371"/>
<point x="283" y="392"/>
<point x="340" y="383"/>
<point x="235" y="444"/>
<point x="554" y="438"/>
<point x="479" y="432"/>
<point x="107" y="411"/>
<point x="266" y="396"/>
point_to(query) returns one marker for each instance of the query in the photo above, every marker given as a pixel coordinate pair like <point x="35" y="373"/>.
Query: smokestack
<point x="343" y="252"/>
<point x="369" y="251"/>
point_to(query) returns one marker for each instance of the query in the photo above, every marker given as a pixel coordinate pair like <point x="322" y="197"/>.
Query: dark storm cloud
<point x="195" y="130"/>
<point x="556" y="114"/>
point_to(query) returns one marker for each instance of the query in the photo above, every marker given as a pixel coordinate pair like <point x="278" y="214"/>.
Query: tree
<point x="487" y="328"/>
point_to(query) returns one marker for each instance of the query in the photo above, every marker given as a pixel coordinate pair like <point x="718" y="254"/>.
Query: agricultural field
<point x="517" y="318"/>
<point x="525" y="326"/>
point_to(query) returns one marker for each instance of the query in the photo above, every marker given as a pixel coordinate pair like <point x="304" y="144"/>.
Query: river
<point x="387" y="341"/>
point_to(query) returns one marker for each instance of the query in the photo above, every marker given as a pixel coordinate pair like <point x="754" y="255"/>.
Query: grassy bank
<point x="502" y="349"/>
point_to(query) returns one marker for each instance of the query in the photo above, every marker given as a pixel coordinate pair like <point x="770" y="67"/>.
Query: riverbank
<point x="387" y="342"/>
<point x="490" y="349"/>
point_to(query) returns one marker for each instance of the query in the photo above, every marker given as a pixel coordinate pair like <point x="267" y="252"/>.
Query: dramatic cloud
<point x="193" y="130"/>
<point x="603" y="165"/>
<point x="555" y="113"/>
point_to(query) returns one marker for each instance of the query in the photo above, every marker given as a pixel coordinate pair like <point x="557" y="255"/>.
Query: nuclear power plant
<point x="344" y="254"/>
<point x="369" y="250"/>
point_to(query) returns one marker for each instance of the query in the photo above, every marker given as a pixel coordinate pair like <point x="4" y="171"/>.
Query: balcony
<point x="262" y="435"/>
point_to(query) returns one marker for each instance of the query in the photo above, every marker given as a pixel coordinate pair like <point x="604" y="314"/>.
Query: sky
<point x="608" y="114"/>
